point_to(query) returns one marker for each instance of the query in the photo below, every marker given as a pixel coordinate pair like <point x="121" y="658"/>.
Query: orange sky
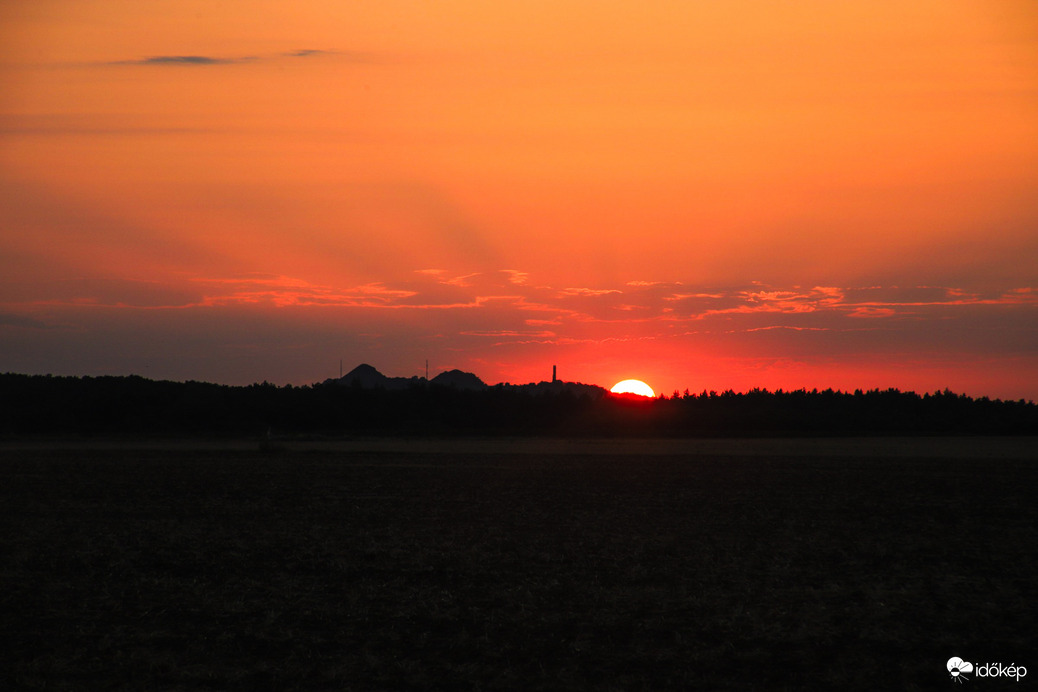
<point x="701" y="194"/>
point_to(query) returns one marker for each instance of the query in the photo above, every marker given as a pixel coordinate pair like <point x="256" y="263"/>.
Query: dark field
<point x="802" y="564"/>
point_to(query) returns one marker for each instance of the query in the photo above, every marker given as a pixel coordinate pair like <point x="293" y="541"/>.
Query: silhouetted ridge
<point x="459" y="379"/>
<point x="365" y="376"/>
<point x="365" y="402"/>
<point x="578" y="389"/>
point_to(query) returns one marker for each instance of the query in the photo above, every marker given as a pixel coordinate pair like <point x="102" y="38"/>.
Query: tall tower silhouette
<point x="553" y="378"/>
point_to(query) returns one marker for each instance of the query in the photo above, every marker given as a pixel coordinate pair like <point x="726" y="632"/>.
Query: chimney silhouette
<point x="553" y="374"/>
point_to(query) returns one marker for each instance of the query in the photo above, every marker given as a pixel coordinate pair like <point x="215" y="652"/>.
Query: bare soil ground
<point x="536" y="564"/>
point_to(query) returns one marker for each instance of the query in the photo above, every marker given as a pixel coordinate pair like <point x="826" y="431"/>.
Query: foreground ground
<point x="726" y="565"/>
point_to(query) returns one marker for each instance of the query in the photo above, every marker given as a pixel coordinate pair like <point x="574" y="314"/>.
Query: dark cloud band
<point x="178" y="60"/>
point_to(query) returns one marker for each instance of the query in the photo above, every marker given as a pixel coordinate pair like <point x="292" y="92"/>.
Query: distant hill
<point x="367" y="377"/>
<point x="459" y="379"/>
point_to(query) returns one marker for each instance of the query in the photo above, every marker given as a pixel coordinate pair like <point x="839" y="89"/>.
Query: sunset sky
<point x="705" y="194"/>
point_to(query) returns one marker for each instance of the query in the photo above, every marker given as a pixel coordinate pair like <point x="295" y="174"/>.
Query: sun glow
<point x="633" y="387"/>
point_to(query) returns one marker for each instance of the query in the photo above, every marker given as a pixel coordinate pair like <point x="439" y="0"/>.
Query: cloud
<point x="686" y="296"/>
<point x="202" y="60"/>
<point x="286" y="291"/>
<point x="793" y="300"/>
<point x="870" y="312"/>
<point x="511" y="295"/>
<point x="444" y="304"/>
<point x="785" y="326"/>
<point x="178" y="60"/>
<point x="429" y="313"/>
<point x="593" y="292"/>
<point x="509" y="332"/>
<point x="354" y="56"/>
<point x="516" y="277"/>
<point x="441" y="275"/>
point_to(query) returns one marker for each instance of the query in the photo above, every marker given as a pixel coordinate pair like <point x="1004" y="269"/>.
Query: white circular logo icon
<point x="957" y="668"/>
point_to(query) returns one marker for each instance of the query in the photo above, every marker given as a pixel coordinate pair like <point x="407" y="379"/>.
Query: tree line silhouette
<point x="38" y="405"/>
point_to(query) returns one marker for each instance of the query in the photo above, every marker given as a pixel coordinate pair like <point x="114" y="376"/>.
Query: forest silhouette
<point x="43" y="405"/>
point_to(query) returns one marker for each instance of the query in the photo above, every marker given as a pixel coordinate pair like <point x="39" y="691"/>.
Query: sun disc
<point x="633" y="387"/>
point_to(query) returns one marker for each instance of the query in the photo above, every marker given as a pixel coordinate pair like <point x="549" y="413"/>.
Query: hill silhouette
<point x="367" y="377"/>
<point x="459" y="403"/>
<point x="459" y="380"/>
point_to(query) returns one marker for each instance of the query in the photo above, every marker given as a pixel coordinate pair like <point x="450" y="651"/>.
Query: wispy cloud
<point x="509" y="332"/>
<point x="871" y="312"/>
<point x="543" y="305"/>
<point x="354" y="56"/>
<point x="444" y="277"/>
<point x="285" y="291"/>
<point x="180" y="60"/>
<point x="516" y="277"/>
<point x="593" y="292"/>
<point x="204" y="60"/>
<point x="494" y="305"/>
<point x="786" y="326"/>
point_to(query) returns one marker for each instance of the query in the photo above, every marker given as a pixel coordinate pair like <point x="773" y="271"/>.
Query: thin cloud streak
<point x="209" y="60"/>
<point x="180" y="60"/>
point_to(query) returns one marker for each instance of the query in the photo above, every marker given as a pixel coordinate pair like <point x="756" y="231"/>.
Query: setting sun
<point x="633" y="387"/>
